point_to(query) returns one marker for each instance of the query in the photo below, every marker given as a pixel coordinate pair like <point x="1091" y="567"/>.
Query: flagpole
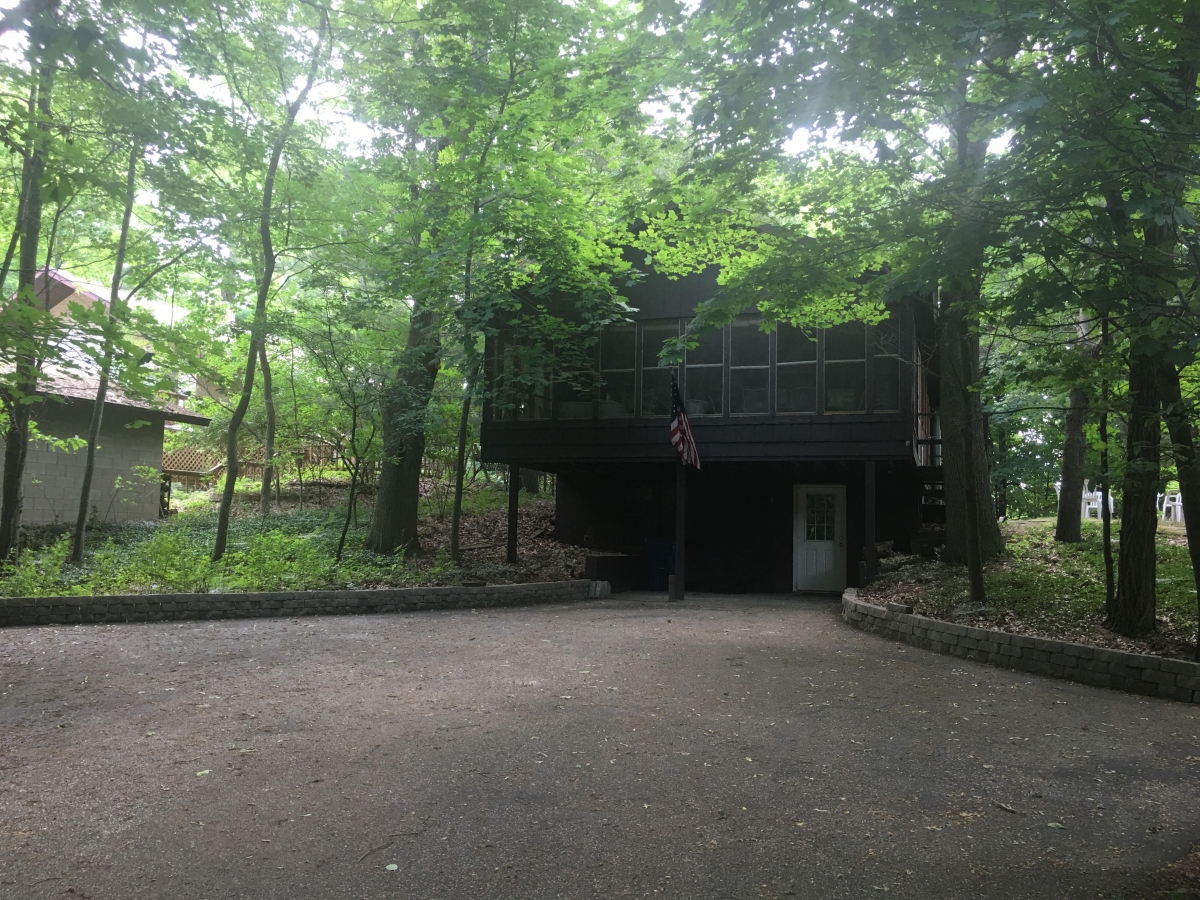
<point x="677" y="580"/>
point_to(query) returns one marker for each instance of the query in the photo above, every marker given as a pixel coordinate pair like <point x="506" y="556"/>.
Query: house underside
<point x="748" y="523"/>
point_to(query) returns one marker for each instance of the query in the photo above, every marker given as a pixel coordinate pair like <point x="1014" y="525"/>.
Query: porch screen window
<point x="796" y="371"/>
<point x="520" y="382"/>
<point x="705" y="368"/>
<point x="846" y="368"/>
<point x="749" y="368"/>
<point x="617" y="371"/>
<point x="503" y="372"/>
<point x="656" y="380"/>
<point x="575" y="386"/>
<point x="886" y="389"/>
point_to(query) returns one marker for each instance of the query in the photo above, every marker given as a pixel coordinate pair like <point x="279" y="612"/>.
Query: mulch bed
<point x="917" y="578"/>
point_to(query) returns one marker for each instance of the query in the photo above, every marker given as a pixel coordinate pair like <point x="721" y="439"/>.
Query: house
<point x="814" y="446"/>
<point x="126" y="483"/>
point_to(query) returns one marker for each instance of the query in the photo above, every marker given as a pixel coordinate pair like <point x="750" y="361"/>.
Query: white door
<point x="819" y="534"/>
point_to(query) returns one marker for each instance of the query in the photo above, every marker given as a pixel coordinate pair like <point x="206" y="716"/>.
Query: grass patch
<point x="1041" y="587"/>
<point x="286" y="551"/>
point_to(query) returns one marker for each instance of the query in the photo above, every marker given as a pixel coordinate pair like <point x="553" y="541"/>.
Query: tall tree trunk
<point x="114" y="299"/>
<point x="26" y="160"/>
<point x="405" y="408"/>
<point x="1070" y="494"/>
<point x="460" y="470"/>
<point x="1134" y="611"/>
<point x="258" y="329"/>
<point x="1187" y="466"/>
<point x="268" y="471"/>
<point x="531" y="481"/>
<point x="1110" y="588"/>
<point x="1002" y="483"/>
<point x="16" y="440"/>
<point x="961" y="408"/>
<point x="353" y="483"/>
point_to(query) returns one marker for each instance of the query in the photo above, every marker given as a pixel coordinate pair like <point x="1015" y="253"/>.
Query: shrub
<point x="36" y="573"/>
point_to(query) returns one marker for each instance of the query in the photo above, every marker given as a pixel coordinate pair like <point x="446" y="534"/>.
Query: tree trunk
<point x="957" y="404"/>
<point x="353" y="483"/>
<point x="1187" y="466"/>
<point x="231" y="453"/>
<point x="114" y="298"/>
<point x="16" y="440"/>
<point x="1002" y="484"/>
<point x="268" y="471"/>
<point x="1134" y="611"/>
<point x="405" y="407"/>
<point x="531" y="481"/>
<point x="1070" y="494"/>
<point x="1110" y="588"/>
<point x="460" y="469"/>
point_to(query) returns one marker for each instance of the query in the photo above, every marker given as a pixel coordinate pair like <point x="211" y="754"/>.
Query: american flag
<point x="681" y="431"/>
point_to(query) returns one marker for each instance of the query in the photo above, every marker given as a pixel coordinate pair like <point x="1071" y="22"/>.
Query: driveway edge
<point x="1136" y="673"/>
<point x="179" y="607"/>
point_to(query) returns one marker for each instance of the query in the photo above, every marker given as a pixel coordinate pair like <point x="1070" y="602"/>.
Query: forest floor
<point x="1044" y="588"/>
<point x="295" y="547"/>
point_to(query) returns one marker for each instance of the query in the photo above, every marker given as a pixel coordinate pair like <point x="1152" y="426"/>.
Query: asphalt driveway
<point x="726" y="747"/>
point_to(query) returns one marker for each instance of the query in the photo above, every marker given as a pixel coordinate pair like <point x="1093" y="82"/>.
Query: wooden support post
<point x="677" y="580"/>
<point x="869" y="519"/>
<point x="514" y="494"/>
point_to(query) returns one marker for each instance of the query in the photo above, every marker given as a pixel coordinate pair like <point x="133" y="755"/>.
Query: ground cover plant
<point x="293" y="549"/>
<point x="1047" y="588"/>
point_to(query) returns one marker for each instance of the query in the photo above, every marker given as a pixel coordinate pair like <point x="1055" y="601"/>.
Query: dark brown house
<point x="814" y="446"/>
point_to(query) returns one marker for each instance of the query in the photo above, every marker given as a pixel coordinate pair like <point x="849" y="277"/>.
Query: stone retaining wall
<point x="172" y="607"/>
<point x="1173" y="679"/>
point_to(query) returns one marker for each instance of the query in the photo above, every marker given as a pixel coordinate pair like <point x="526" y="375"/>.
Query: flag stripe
<point x="681" y="430"/>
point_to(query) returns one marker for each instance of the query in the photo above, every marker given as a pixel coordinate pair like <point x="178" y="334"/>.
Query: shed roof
<point x="85" y="389"/>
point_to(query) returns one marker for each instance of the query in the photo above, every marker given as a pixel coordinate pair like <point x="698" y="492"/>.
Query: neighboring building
<point x="126" y="484"/>
<point x="814" y="447"/>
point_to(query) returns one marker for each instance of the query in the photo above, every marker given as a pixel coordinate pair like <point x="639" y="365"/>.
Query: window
<point x="846" y="368"/>
<point x="575" y="386"/>
<point x="704" y="378"/>
<point x="503" y="365"/>
<point x="749" y="368"/>
<point x="820" y="516"/>
<point x="656" y="379"/>
<point x="520" y="382"/>
<point x="617" y="371"/>
<point x="886" y="388"/>
<point x="796" y="372"/>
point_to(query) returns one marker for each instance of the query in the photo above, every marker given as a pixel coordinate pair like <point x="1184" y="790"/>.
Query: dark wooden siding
<point x="550" y="443"/>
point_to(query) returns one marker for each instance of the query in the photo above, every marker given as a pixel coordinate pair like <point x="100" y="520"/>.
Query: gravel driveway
<point x="736" y="747"/>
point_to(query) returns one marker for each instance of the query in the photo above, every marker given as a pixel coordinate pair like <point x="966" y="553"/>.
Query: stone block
<point x="1178" y="666"/>
<point x="1038" y="656"/>
<point x="1079" y="651"/>
<point x="1063" y="659"/>
<point x="1158" y="677"/>
<point x="905" y="608"/>
<point x="1142" y="661"/>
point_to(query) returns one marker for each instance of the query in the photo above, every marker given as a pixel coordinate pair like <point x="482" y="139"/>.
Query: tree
<point x="502" y="135"/>
<point x="238" y="46"/>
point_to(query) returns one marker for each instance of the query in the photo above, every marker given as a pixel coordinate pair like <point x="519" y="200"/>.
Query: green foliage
<point x="36" y="574"/>
<point x="1056" y="587"/>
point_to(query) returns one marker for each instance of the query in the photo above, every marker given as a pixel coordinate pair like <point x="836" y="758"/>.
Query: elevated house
<point x="814" y="446"/>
